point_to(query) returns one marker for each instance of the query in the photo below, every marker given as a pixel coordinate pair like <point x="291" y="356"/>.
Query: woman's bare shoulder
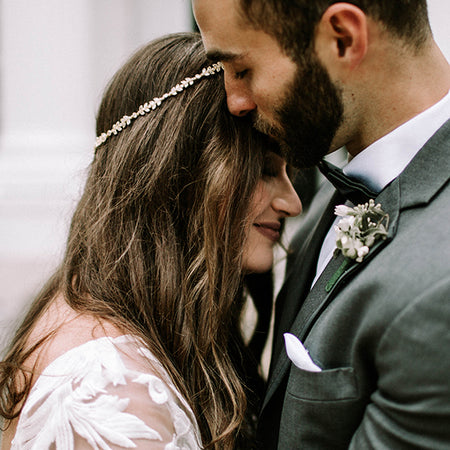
<point x="61" y="329"/>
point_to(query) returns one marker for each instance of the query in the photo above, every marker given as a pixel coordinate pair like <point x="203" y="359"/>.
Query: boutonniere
<point x="357" y="231"/>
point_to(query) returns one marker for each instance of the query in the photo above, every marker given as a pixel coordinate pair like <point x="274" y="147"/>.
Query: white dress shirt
<point x="385" y="159"/>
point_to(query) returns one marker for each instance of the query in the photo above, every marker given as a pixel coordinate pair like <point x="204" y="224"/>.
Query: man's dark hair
<point x="292" y="22"/>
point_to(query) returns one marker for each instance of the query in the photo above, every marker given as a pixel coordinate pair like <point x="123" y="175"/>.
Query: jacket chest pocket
<point x="321" y="409"/>
<point x="328" y="385"/>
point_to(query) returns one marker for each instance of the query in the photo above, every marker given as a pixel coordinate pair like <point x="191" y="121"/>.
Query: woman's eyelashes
<point x="275" y="166"/>
<point x="270" y="171"/>
<point x="240" y="74"/>
<point x="271" y="168"/>
<point x="292" y="172"/>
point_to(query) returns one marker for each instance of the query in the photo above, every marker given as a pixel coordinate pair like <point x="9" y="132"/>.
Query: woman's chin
<point x="260" y="267"/>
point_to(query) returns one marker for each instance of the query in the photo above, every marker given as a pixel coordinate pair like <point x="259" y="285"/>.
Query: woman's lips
<point x="269" y="229"/>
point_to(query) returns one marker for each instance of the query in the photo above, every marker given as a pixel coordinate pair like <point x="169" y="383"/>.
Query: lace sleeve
<point x="102" y="395"/>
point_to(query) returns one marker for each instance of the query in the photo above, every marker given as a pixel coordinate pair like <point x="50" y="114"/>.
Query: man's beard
<point x="309" y="116"/>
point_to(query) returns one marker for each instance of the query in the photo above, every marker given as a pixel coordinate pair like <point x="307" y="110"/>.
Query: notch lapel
<point x="299" y="278"/>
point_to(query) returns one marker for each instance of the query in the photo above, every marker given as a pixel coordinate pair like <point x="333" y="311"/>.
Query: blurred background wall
<point x="56" y="57"/>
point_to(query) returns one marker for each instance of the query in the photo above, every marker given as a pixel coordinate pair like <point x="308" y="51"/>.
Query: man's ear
<point x="342" y="36"/>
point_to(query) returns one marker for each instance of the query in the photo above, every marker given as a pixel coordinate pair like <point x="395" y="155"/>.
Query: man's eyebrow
<point x="218" y="55"/>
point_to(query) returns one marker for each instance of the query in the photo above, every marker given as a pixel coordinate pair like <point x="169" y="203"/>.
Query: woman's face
<point x="273" y="200"/>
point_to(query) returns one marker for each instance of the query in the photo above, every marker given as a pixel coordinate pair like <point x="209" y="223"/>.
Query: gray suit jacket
<point x="381" y="336"/>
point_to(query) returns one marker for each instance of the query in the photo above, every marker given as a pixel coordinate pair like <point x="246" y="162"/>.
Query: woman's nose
<point x="239" y="100"/>
<point x="286" y="201"/>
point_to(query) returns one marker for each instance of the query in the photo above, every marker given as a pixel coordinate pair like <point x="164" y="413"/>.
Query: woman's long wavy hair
<point x="155" y="244"/>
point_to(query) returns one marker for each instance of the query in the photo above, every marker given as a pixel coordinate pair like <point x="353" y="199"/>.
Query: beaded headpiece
<point x="153" y="104"/>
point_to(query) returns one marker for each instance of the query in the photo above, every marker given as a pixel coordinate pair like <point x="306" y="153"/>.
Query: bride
<point x="135" y="341"/>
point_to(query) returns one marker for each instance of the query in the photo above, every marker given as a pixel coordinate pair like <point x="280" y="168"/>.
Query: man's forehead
<point x="206" y="11"/>
<point x="220" y="7"/>
<point x="218" y="17"/>
<point x="226" y="36"/>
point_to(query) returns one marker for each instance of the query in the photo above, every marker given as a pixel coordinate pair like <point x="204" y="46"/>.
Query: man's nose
<point x="239" y="99"/>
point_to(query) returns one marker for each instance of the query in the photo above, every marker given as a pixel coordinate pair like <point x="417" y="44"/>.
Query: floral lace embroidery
<point x="71" y="398"/>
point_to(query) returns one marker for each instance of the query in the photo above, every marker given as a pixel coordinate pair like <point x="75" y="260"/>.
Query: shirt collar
<point x="385" y="159"/>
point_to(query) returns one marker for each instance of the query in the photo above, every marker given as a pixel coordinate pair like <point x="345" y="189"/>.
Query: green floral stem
<point x="334" y="279"/>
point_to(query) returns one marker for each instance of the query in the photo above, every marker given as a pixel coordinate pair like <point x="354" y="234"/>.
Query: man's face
<point x="295" y="103"/>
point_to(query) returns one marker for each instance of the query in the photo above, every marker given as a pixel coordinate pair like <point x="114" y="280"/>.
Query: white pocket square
<point x="298" y="354"/>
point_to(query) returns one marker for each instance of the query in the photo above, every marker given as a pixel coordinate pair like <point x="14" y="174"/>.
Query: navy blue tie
<point x="348" y="187"/>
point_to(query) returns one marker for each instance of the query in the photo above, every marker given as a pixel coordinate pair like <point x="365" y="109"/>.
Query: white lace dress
<point x="104" y="394"/>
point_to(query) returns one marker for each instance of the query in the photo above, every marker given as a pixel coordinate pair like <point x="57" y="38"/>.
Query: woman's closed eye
<point x="270" y="168"/>
<point x="274" y="166"/>
<point x="240" y="74"/>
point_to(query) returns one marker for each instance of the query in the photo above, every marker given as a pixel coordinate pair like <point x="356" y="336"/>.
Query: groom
<point x="374" y="316"/>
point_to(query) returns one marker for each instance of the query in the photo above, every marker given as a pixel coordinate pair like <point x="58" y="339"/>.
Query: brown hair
<point x="156" y="240"/>
<point x="292" y="22"/>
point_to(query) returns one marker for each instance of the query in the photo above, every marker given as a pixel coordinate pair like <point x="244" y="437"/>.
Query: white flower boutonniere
<point x="359" y="228"/>
<point x="357" y="231"/>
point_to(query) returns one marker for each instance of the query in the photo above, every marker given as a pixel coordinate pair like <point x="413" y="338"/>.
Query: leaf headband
<point x="153" y="104"/>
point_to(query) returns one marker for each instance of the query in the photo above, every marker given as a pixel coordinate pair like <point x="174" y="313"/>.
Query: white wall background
<point x="56" y="56"/>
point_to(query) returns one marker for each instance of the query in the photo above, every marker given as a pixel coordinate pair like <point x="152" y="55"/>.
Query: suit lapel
<point x="299" y="278"/>
<point x="319" y="298"/>
<point x="315" y="297"/>
<point x="419" y="184"/>
<point x="297" y="285"/>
